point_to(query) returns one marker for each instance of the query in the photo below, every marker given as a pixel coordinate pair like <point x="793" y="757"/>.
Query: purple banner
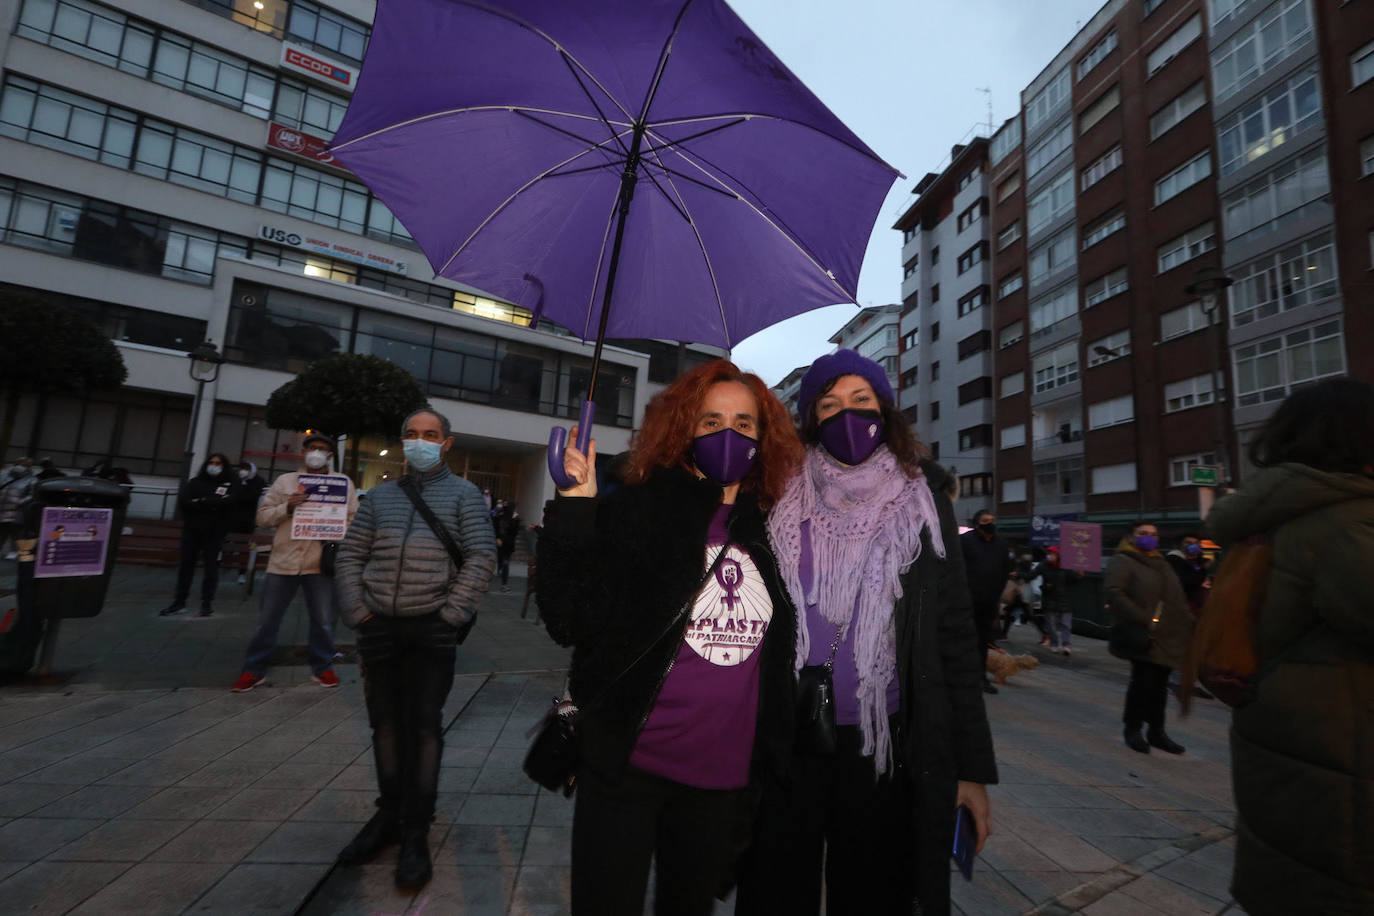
<point x="1080" y="546"/>
<point x="72" y="542"/>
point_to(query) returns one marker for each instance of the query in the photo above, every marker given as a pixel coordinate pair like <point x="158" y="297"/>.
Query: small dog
<point x="1002" y="665"/>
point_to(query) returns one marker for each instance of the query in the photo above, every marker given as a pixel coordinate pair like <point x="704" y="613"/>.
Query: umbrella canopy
<point x="508" y="137"/>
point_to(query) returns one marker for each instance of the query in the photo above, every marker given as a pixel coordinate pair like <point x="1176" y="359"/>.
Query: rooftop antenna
<point x="988" y="93"/>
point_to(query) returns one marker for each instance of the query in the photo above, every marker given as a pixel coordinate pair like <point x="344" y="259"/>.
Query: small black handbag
<point x="815" y="734"/>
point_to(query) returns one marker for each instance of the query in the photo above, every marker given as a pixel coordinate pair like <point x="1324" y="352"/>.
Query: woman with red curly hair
<point x="683" y="638"/>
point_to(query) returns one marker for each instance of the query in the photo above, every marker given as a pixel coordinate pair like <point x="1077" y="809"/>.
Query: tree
<point x="347" y="394"/>
<point x="47" y="348"/>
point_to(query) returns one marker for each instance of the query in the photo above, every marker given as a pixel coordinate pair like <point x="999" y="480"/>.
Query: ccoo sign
<point x="320" y="67"/>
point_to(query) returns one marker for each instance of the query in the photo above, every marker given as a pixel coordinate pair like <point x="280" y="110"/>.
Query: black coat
<point x="987" y="564"/>
<point x="206" y="503"/>
<point x="243" y="514"/>
<point x="613" y="574"/>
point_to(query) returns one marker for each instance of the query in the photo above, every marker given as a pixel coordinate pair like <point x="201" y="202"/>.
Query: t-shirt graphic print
<point x="732" y="611"/>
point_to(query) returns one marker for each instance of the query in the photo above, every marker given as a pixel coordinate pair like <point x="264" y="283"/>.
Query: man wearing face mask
<point x="205" y="502"/>
<point x="410" y="585"/>
<point x="988" y="565"/>
<point x="243" y="515"/>
<point x="295" y="564"/>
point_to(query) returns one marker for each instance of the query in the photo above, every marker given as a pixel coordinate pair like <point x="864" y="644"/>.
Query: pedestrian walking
<point x="1054" y="604"/>
<point x="868" y="545"/>
<point x="506" y="524"/>
<point x="1302" y="752"/>
<point x="16" y="489"/>
<point x="1141" y="589"/>
<point x="683" y="639"/>
<point x="415" y="562"/>
<point x="296" y="564"/>
<point x="205" y="502"/>
<point x="988" y="565"/>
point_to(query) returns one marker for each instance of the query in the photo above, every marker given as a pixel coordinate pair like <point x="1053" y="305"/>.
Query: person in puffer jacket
<point x="411" y="604"/>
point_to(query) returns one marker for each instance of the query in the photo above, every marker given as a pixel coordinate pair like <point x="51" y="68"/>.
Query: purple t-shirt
<point x="700" y="731"/>
<point x="820" y="634"/>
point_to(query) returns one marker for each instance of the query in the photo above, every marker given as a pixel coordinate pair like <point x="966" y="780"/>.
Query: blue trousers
<point x="277" y="592"/>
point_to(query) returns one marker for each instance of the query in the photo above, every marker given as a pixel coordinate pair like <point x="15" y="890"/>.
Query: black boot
<point x="1157" y="738"/>
<point x="1135" y="741"/>
<point x="376" y="835"/>
<point x="176" y="607"/>
<point x="413" y="868"/>
<point x="206" y="609"/>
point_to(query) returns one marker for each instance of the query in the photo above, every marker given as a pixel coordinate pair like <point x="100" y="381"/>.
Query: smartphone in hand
<point x="965" y="841"/>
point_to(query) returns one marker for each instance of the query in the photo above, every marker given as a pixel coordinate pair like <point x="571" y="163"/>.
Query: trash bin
<point x="67" y="553"/>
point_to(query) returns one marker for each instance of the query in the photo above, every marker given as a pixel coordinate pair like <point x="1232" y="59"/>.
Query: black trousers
<point x="693" y="836"/>
<point x="407" y="667"/>
<point x="1146" y="695"/>
<point x="203" y="547"/>
<point x="836" y="811"/>
<point x="985" y="622"/>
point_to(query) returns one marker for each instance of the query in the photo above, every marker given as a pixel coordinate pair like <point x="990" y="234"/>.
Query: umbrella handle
<point x="558" y="440"/>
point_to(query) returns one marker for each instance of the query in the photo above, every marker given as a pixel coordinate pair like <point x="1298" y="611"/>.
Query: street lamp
<point x="205" y="363"/>
<point x="1209" y="282"/>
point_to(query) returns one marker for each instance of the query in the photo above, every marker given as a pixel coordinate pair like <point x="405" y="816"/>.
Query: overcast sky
<point x="904" y="75"/>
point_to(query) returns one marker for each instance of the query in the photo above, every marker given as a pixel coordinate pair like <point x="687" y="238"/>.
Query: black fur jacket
<point x="615" y="572"/>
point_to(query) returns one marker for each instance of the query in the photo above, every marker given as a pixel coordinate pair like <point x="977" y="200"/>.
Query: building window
<point x="1114" y="478"/>
<point x="1048" y="310"/>
<point x="1014" y="436"/>
<point x="909" y="340"/>
<point x="1298" y="275"/>
<point x="975" y="390"/>
<point x="909" y="269"/>
<point x="934" y="331"/>
<point x="1190" y="392"/>
<point x="310" y="193"/>
<point x="1101" y="167"/>
<point x="1185" y="176"/>
<point x="1098" y="54"/>
<point x="1059" y="253"/>
<point x="910" y="377"/>
<point x="143" y="432"/>
<point x="1111" y="412"/>
<point x="68" y="123"/>
<point x="1051" y="203"/>
<point x="1268" y="370"/>
<point x="1105" y="104"/>
<point x="934" y="411"/>
<point x="1048" y="100"/>
<point x="1184" y="104"/>
<point x="1266" y="122"/>
<point x="1105" y="287"/>
<point x="1258" y="46"/>
<point x="327" y="30"/>
<point x="1102" y="227"/>
<point x="908" y="234"/>
<point x="1010" y="284"/>
<point x="1011" y="335"/>
<point x="1008" y="187"/>
<point x="974" y="255"/>
<point x="975" y="343"/>
<point x="1057" y="368"/>
<point x="967" y="178"/>
<point x="1061" y="480"/>
<point x="1005" y="140"/>
<point x="1181" y="468"/>
<point x="1013" y="232"/>
<point x="975" y="485"/>
<point x="1169" y="48"/>
<point x="1222" y="10"/>
<point x="935" y="371"/>
<point x="1187" y="246"/>
<point x="1014" y="491"/>
<point x="934" y="293"/>
<point x="1106" y="349"/>
<point x="934" y="451"/>
<point x="974" y="300"/>
<point x="1362" y="65"/>
<point x="935" y="256"/>
<point x="973" y="214"/>
<point x="912" y="302"/>
<point x="1366" y="157"/>
<point x="1045" y="152"/>
<point x="975" y="437"/>
<point x="1184" y="320"/>
<point x="878" y="341"/>
<point x="307" y="107"/>
<point x="1011" y="384"/>
<point x="1152" y="5"/>
<point x="912" y="414"/>
<point x="1276" y="198"/>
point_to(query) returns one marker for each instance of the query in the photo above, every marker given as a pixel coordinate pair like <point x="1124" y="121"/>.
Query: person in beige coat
<point x="295" y="564"/>
<point x="1141" y="586"/>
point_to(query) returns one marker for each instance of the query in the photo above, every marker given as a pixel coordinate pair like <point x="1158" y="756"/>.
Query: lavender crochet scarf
<point x="865" y="529"/>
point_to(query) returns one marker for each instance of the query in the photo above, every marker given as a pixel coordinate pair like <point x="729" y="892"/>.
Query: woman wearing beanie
<point x="682" y="636"/>
<point x="868" y="545"/>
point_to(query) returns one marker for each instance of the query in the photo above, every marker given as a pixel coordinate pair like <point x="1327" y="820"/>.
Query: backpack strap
<point x="407" y="485"/>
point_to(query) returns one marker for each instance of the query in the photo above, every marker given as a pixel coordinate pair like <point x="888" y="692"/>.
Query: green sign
<point x="1203" y="476"/>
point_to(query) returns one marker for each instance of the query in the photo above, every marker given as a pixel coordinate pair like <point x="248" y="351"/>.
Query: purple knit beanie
<point x="834" y="365"/>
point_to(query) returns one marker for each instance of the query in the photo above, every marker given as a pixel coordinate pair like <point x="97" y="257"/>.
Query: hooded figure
<point x="205" y="503"/>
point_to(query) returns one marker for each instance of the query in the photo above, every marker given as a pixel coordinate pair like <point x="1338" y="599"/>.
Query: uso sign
<point x="314" y="64"/>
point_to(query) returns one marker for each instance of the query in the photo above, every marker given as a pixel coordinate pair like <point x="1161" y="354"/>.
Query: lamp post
<point x="1209" y="282"/>
<point x="205" y="363"/>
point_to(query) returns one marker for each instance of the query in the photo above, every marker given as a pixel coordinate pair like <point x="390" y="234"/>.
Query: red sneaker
<point x="246" y="682"/>
<point x="326" y="678"/>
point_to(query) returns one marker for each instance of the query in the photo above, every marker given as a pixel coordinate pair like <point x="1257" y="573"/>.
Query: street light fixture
<point x="205" y="363"/>
<point x="1209" y="283"/>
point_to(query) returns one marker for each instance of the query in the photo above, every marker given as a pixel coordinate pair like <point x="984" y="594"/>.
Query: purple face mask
<point x="1146" y="542"/>
<point x="724" y="456"/>
<point x="852" y="435"/>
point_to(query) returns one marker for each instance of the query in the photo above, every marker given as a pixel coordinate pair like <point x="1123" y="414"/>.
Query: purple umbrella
<point x="512" y="138"/>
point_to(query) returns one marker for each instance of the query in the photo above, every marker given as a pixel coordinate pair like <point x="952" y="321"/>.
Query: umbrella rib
<point x="519" y="109"/>
<point x="662" y="62"/>
<point x="567" y="59"/>
<point x="685" y="177"/>
<point x="680" y="212"/>
<point x="562" y="130"/>
<point x="505" y="203"/>
<point x="767" y="218"/>
<point x="741" y="117"/>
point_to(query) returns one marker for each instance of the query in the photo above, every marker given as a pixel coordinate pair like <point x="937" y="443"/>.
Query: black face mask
<point x="988" y="528"/>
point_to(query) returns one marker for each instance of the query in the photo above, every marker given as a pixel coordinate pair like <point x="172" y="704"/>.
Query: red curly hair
<point x="665" y="438"/>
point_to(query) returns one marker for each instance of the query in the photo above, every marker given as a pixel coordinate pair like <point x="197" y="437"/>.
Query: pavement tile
<point x="214" y="842"/>
<point x="52" y="888"/>
<point x="1210" y="880"/>
<point x="262" y="890"/>
<point x="464" y="755"/>
<point x="254" y="804"/>
<point x="1093" y="822"/>
<point x="542" y="891"/>
<point x="82" y="770"/>
<point x="1163" y="894"/>
<point x="482" y="844"/>
<point x="180" y="802"/>
<point x="510" y="757"/>
<point x="472" y="890"/>
<point x="26" y="839"/>
<point x="1118" y="903"/>
<point x="340" y="805"/>
<point x="552" y="810"/>
<point x="19" y="798"/>
<point x="152" y="889"/>
<point x="493" y="780"/>
<point x="366" y="890"/>
<point x="97" y="801"/>
<point x="548" y="846"/>
<point x="447" y="806"/>
<point x="988" y="892"/>
<point x="154" y="772"/>
<point x="1039" y="886"/>
<point x="119" y="841"/>
<point x="300" y="776"/>
<point x="496" y="809"/>
<point x="1127" y="848"/>
<point x="317" y="843"/>
<point x="1006" y="850"/>
<point x="9" y="868"/>
<point x="228" y="775"/>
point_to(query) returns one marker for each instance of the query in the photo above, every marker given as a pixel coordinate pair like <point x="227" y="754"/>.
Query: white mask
<point x="213" y="470"/>
<point x="243" y="474"/>
<point x="316" y="458"/>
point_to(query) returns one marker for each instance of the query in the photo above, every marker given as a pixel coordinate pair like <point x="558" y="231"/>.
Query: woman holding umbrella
<point x="683" y="637"/>
<point x="869" y="547"/>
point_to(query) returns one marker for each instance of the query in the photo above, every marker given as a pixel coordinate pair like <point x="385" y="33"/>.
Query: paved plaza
<point x="133" y="781"/>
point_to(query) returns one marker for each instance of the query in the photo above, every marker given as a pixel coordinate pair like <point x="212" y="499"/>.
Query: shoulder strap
<point x="407" y="485"/>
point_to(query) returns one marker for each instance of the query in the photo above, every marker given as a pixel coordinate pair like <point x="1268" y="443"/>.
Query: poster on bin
<point x="72" y="542"/>
<point x="324" y="514"/>
<point x="1080" y="546"/>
